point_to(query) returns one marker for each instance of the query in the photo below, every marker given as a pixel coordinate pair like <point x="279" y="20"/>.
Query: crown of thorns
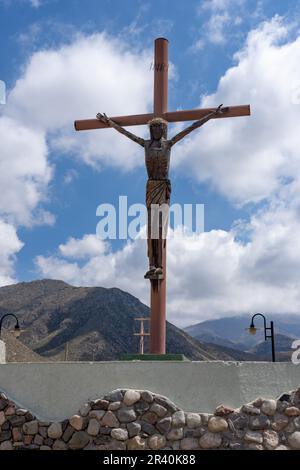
<point x="157" y="120"/>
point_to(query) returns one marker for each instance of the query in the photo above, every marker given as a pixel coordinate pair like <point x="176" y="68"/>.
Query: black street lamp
<point x="17" y="326"/>
<point x="252" y="330"/>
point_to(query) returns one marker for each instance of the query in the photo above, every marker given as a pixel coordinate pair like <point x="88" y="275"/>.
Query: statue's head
<point x="158" y="128"/>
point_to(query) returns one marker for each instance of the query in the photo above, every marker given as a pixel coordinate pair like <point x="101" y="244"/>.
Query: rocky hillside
<point x="18" y="352"/>
<point x="95" y="323"/>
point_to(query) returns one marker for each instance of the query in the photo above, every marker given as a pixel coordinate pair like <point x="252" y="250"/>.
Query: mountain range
<point x="63" y="322"/>
<point x="91" y="323"/>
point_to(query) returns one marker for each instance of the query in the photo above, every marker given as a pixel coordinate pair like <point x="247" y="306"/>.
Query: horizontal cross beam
<point x="172" y="116"/>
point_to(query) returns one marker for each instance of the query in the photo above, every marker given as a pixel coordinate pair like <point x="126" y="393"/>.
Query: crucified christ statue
<point x="158" y="190"/>
<point x="157" y="153"/>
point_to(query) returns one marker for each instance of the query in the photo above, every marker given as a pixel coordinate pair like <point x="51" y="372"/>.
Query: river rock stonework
<point x="142" y="420"/>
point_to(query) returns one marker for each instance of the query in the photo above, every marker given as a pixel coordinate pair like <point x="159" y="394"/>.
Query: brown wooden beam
<point x="161" y="65"/>
<point x="158" y="288"/>
<point x="172" y="116"/>
<point x="194" y="114"/>
<point x="133" y="120"/>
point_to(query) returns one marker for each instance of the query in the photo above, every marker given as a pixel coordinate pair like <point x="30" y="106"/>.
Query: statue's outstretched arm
<point x="197" y="124"/>
<point x="130" y="135"/>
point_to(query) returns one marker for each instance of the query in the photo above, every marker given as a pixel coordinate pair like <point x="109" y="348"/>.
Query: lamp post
<point x="252" y="330"/>
<point x="17" y="326"/>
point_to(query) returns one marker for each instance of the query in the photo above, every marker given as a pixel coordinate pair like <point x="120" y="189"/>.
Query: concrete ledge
<point x="54" y="391"/>
<point x="154" y="357"/>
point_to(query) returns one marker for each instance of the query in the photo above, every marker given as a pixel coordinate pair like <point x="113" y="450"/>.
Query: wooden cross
<point x="142" y="333"/>
<point x="160" y="109"/>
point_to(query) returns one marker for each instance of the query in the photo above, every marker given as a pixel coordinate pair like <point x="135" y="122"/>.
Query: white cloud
<point x="24" y="177"/>
<point x="100" y="265"/>
<point x="24" y="171"/>
<point x="70" y="176"/>
<point x="219" y="26"/>
<point x="217" y="5"/>
<point x="247" y="158"/>
<point x="86" y="247"/>
<point x="35" y="3"/>
<point x="216" y="27"/>
<point x="10" y="245"/>
<point x="94" y="73"/>
<point x="56" y="87"/>
<point x="32" y="3"/>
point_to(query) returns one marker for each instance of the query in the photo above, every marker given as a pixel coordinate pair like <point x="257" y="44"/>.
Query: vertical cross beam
<point x="158" y="287"/>
<point x="142" y="332"/>
<point x="161" y="64"/>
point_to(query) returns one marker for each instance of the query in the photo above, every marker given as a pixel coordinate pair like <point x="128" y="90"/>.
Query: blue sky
<point x="230" y="167"/>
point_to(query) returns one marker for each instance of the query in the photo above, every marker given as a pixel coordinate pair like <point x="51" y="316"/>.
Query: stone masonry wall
<point x="131" y="419"/>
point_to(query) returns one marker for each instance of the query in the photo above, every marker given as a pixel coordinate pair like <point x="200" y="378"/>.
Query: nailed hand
<point x="103" y="118"/>
<point x="221" y="110"/>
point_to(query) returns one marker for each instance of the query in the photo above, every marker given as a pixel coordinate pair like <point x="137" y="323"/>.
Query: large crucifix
<point x="157" y="156"/>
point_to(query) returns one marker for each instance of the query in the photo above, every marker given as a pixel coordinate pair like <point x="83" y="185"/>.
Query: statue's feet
<point x="154" y="273"/>
<point x="150" y="273"/>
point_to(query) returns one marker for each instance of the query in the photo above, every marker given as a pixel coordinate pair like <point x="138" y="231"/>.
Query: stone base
<point x="130" y="419"/>
<point x="154" y="357"/>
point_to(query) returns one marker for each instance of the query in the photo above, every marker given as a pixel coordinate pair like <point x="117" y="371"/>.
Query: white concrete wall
<point x="57" y="390"/>
<point x="2" y="352"/>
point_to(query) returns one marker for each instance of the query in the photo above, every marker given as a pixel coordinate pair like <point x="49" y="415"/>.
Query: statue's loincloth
<point x="158" y="192"/>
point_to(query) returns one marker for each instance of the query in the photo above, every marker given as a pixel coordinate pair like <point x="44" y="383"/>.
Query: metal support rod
<point x="272" y="341"/>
